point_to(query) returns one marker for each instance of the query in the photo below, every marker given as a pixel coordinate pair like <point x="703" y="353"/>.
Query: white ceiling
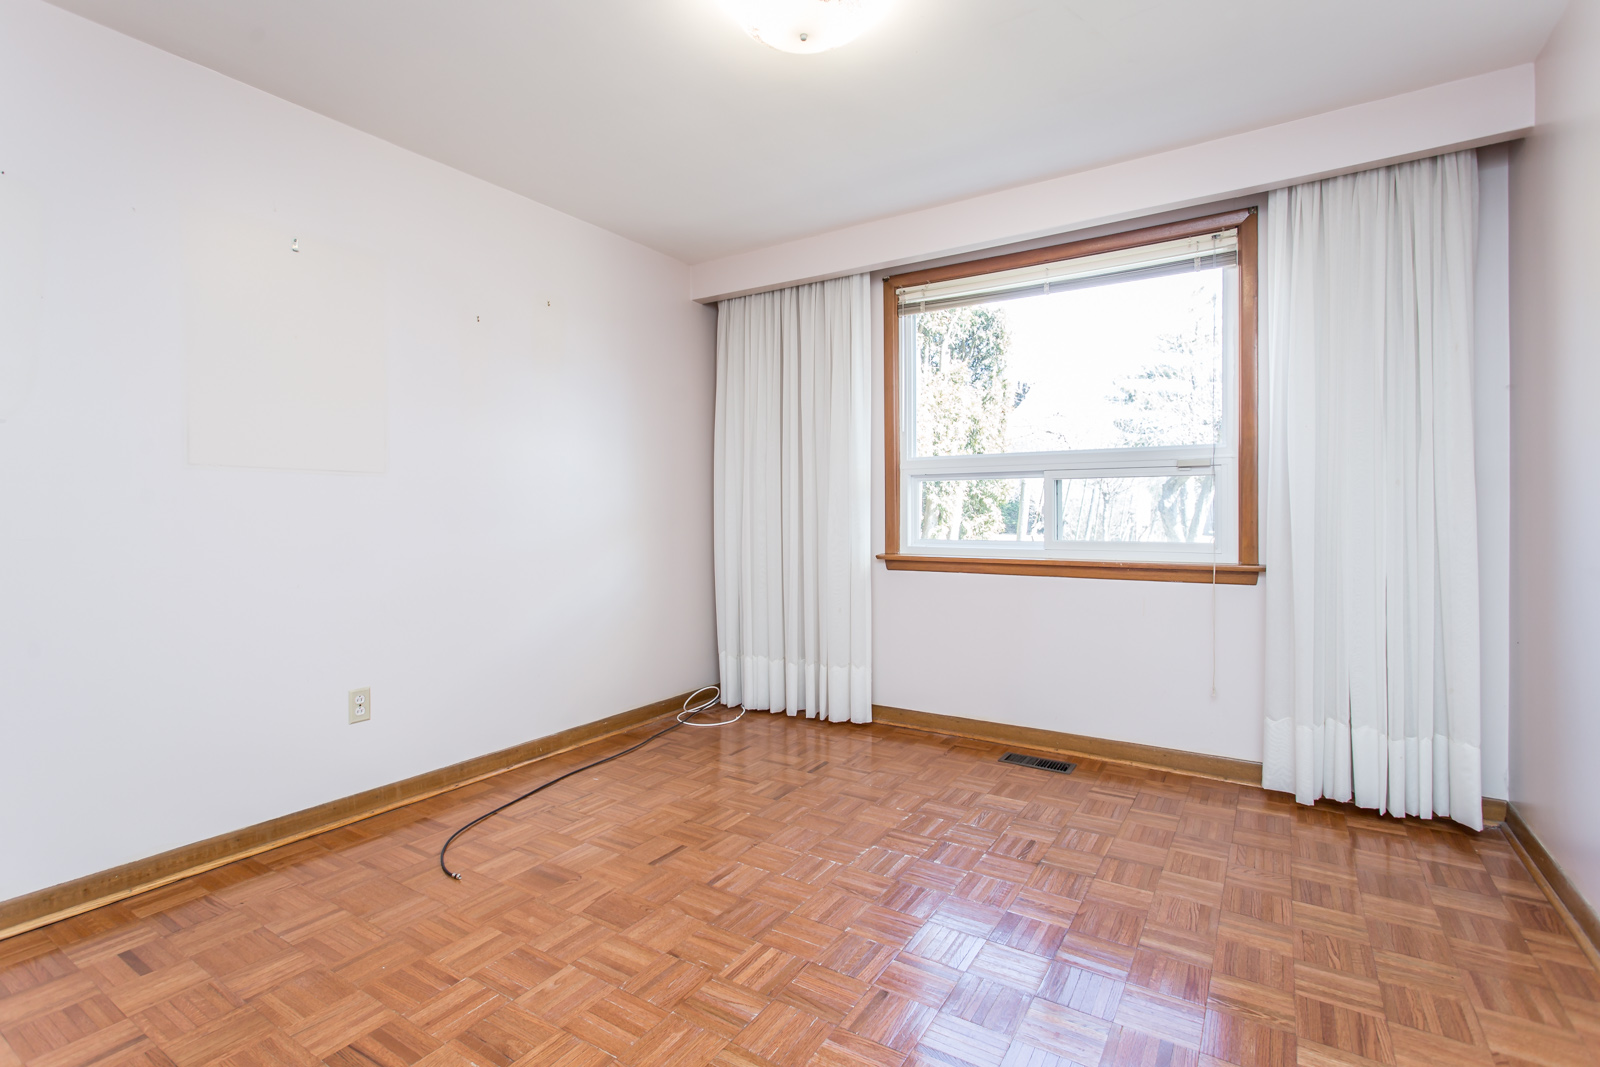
<point x="660" y="120"/>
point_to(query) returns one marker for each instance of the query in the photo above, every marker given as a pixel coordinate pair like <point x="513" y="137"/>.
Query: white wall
<point x="1485" y="109"/>
<point x="1555" y="382"/>
<point x="1133" y="661"/>
<point x="176" y="641"/>
<point x="1492" y="453"/>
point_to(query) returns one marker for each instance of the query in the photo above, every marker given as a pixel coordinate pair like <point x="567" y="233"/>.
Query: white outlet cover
<point x="360" y="705"/>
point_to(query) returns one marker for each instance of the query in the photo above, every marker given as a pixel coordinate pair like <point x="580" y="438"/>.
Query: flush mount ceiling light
<point x="806" y="25"/>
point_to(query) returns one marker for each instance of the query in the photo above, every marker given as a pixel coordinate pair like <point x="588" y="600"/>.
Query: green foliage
<point x="963" y="388"/>
<point x="963" y="398"/>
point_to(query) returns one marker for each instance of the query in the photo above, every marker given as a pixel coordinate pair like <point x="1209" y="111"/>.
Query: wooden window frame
<point x="1246" y="570"/>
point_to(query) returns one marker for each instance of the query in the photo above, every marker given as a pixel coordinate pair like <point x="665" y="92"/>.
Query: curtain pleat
<point x="1371" y="515"/>
<point x="791" y="496"/>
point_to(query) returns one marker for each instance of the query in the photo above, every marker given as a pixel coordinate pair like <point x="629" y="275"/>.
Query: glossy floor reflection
<point x="783" y="892"/>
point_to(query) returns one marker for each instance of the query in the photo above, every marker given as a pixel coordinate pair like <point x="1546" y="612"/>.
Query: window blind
<point x="1206" y="251"/>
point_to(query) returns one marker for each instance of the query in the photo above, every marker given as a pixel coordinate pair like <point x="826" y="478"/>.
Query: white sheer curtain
<point x="791" y="493"/>
<point x="1371" y="526"/>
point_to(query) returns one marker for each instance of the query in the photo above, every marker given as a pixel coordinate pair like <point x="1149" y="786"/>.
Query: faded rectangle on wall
<point x="285" y="362"/>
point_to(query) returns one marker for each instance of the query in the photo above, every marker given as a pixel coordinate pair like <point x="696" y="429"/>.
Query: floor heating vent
<point x="1060" y="766"/>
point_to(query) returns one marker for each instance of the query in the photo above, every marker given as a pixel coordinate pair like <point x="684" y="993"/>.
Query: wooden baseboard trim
<point x="1223" y="768"/>
<point x="33" y="910"/>
<point x="1494" y="811"/>
<point x="1579" y="914"/>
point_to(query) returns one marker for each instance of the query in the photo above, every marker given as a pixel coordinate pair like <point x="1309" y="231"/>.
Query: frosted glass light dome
<point x="806" y="26"/>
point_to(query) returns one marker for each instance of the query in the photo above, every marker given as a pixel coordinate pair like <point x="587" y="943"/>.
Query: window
<point x="1087" y="409"/>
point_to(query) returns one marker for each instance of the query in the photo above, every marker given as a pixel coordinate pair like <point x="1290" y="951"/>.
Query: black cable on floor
<point x="682" y="720"/>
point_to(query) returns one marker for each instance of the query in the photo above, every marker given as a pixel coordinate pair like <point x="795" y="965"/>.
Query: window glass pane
<point x="1129" y="363"/>
<point x="1177" y="509"/>
<point x="982" y="509"/>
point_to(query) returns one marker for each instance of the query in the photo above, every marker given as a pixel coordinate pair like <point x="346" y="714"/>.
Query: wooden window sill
<point x="1226" y="573"/>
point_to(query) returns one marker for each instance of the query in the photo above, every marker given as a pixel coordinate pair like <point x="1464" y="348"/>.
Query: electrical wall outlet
<point x="360" y="705"/>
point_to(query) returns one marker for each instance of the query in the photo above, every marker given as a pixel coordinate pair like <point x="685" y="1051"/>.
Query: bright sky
<point x="1072" y="347"/>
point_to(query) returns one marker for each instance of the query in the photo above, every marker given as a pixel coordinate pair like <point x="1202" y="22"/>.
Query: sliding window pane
<point x="982" y="509"/>
<point x="1179" y="509"/>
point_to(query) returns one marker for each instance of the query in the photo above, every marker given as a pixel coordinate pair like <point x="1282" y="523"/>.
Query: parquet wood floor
<point x="784" y="892"/>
